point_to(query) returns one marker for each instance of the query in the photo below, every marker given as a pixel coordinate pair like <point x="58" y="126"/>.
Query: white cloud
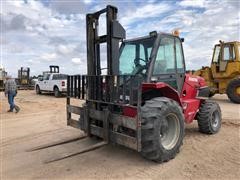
<point x="87" y="1"/>
<point x="49" y="56"/>
<point x="207" y="29"/>
<point x="200" y="28"/>
<point x="33" y="61"/>
<point x="76" y="61"/>
<point x="192" y="3"/>
<point x="65" y="49"/>
<point x="144" y="12"/>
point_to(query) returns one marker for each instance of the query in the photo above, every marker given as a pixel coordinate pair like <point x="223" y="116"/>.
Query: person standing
<point x="11" y="92"/>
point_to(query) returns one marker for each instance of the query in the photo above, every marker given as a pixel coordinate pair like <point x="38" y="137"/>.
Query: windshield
<point x="239" y="49"/>
<point x="135" y="55"/>
<point x="216" y="55"/>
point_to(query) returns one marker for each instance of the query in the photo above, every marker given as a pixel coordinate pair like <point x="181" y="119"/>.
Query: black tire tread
<point x="233" y="84"/>
<point x="151" y="113"/>
<point x="38" y="91"/>
<point x="58" y="92"/>
<point x="204" y="116"/>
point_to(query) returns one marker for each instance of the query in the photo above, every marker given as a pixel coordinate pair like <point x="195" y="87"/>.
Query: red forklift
<point x="146" y="96"/>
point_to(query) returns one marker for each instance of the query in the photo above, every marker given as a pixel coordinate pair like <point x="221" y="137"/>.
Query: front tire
<point x="209" y="117"/>
<point x="38" y="91"/>
<point x="233" y="90"/>
<point x="162" y="129"/>
<point x="57" y="92"/>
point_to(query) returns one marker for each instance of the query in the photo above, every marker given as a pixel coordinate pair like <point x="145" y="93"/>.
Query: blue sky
<point x="37" y="34"/>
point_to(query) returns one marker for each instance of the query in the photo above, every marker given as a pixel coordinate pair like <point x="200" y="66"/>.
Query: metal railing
<point x="120" y="89"/>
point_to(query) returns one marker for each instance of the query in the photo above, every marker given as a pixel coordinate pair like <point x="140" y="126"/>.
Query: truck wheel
<point x="162" y="129"/>
<point x="233" y="90"/>
<point x="57" y="92"/>
<point x="38" y="91"/>
<point x="209" y="117"/>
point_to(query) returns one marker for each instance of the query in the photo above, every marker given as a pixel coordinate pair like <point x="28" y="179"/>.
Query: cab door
<point x="45" y="82"/>
<point x="179" y="63"/>
<point x="169" y="63"/>
<point x="228" y="55"/>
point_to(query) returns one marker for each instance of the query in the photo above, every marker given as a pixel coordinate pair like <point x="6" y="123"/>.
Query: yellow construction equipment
<point x="3" y="75"/>
<point x="223" y="76"/>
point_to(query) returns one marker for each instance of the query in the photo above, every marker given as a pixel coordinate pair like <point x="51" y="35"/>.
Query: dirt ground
<point x="42" y="120"/>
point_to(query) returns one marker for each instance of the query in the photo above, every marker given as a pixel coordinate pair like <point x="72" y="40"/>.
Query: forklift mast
<point x="24" y="73"/>
<point x="54" y="69"/>
<point x="114" y="34"/>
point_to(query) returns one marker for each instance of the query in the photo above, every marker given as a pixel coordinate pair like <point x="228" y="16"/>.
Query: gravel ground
<point x="42" y="120"/>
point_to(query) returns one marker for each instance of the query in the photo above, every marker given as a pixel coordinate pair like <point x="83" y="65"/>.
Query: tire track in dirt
<point x="32" y="136"/>
<point x="229" y="123"/>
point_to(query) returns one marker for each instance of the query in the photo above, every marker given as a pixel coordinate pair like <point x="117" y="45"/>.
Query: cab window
<point x="59" y="76"/>
<point x="46" y="76"/>
<point x="228" y="52"/>
<point x="165" y="57"/>
<point x="134" y="56"/>
<point x="179" y="56"/>
<point x="239" y="49"/>
<point x="129" y="52"/>
<point x="216" y="55"/>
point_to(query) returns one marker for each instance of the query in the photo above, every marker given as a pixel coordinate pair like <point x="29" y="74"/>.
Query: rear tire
<point x="57" y="92"/>
<point x="233" y="90"/>
<point x="162" y="129"/>
<point x="38" y="91"/>
<point x="209" y="117"/>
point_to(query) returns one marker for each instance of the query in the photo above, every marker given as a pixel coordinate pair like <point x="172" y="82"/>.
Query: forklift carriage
<point x="110" y="111"/>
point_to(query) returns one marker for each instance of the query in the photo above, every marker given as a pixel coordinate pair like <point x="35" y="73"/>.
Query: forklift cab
<point x="157" y="58"/>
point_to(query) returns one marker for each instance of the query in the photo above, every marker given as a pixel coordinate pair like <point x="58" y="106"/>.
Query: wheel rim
<point x="238" y="91"/>
<point x="170" y="131"/>
<point x="215" y="119"/>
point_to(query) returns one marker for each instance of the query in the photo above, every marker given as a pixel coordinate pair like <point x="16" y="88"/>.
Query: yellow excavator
<point x="223" y="76"/>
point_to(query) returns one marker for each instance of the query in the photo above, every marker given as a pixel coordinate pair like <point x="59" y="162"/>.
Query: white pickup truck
<point x="52" y="82"/>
